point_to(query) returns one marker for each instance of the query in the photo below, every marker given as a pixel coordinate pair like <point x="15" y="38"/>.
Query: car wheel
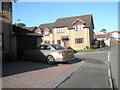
<point x="50" y="59"/>
<point x="24" y="57"/>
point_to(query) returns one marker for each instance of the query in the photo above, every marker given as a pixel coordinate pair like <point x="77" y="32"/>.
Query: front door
<point x="66" y="43"/>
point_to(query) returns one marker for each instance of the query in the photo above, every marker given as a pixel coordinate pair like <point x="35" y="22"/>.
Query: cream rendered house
<point x="75" y="32"/>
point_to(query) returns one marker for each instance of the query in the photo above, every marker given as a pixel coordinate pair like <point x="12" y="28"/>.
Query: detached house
<point x="75" y="32"/>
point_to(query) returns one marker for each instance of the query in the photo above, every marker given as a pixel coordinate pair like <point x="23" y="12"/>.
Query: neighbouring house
<point x="114" y="35"/>
<point x="25" y="39"/>
<point x="112" y="38"/>
<point x="8" y="40"/>
<point x="109" y="38"/>
<point x="75" y="32"/>
<point x="14" y="39"/>
<point x="100" y="36"/>
<point x="34" y="29"/>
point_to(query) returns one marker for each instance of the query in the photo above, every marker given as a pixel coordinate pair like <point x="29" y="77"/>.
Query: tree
<point x="103" y="30"/>
<point x="20" y="24"/>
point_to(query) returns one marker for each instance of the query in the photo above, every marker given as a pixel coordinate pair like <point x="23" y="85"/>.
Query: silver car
<point x="50" y="53"/>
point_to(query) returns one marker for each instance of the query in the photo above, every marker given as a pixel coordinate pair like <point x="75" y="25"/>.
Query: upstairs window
<point x="78" y="27"/>
<point x="38" y="32"/>
<point x="60" y="30"/>
<point x="46" y="33"/>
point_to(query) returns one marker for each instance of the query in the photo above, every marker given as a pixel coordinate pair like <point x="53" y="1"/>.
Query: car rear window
<point x="57" y="47"/>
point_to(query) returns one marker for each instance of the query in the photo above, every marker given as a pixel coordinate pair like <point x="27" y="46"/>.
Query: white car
<point x="50" y="53"/>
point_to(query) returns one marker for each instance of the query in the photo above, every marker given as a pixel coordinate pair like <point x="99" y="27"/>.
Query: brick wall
<point x="113" y="42"/>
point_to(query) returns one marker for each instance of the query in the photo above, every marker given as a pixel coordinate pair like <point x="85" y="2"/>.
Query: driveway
<point x="28" y="74"/>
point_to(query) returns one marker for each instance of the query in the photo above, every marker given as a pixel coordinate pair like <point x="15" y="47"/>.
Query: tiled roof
<point x="48" y="25"/>
<point x="113" y="32"/>
<point x="99" y="36"/>
<point x="31" y="28"/>
<point x="68" y="21"/>
<point x="99" y="33"/>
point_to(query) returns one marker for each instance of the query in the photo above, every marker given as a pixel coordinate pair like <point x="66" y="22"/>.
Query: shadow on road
<point x="92" y="60"/>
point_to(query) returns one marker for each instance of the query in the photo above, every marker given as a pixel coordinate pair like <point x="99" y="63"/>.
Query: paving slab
<point x="48" y="77"/>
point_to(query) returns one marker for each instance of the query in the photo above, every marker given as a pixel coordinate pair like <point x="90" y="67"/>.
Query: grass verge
<point x="88" y="50"/>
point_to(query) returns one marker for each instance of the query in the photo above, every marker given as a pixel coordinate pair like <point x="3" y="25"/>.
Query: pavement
<point x="114" y="56"/>
<point x="28" y="74"/>
<point x="1" y="67"/>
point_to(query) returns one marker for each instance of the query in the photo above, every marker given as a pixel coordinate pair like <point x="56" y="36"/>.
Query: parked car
<point x="50" y="53"/>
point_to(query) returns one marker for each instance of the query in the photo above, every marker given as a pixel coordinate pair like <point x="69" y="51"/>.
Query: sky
<point x="105" y="14"/>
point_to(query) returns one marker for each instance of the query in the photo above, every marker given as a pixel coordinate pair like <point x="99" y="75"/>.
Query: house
<point x="114" y="35"/>
<point x="6" y="30"/>
<point x="100" y="36"/>
<point x="34" y="29"/>
<point x="112" y="38"/>
<point x="26" y="36"/>
<point x="13" y="37"/>
<point x="75" y="32"/>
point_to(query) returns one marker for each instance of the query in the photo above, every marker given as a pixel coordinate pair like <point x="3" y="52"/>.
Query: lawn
<point x="88" y="50"/>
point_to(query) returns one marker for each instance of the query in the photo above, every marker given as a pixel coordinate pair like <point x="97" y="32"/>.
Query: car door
<point x="46" y="50"/>
<point x="37" y="54"/>
<point x="40" y="52"/>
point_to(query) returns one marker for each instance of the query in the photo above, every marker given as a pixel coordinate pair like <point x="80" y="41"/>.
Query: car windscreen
<point x="57" y="47"/>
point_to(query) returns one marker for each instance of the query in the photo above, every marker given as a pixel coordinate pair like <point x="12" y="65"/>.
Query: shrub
<point x="95" y="44"/>
<point x="102" y="43"/>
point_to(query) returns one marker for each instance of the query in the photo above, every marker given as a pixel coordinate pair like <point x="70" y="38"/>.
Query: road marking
<point x="109" y="71"/>
<point x="108" y="56"/>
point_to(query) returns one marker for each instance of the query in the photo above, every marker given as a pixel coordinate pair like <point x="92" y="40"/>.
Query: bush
<point x="95" y="44"/>
<point x="102" y="43"/>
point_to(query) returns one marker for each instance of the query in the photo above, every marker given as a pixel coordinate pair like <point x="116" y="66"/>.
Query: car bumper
<point x="64" y="59"/>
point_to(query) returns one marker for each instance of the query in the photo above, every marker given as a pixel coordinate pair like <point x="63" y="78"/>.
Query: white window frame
<point x="78" y="27"/>
<point x="60" y="30"/>
<point x="46" y="32"/>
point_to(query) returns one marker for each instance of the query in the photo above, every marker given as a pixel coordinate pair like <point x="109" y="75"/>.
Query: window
<point x="59" y="42"/>
<point x="45" y="47"/>
<point x="38" y="32"/>
<point x="46" y="32"/>
<point x="46" y="42"/>
<point x="57" y="47"/>
<point x="79" y="40"/>
<point x="42" y="47"/>
<point x="60" y="30"/>
<point x="78" y="27"/>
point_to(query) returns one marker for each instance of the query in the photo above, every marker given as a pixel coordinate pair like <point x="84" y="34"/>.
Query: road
<point x="92" y="74"/>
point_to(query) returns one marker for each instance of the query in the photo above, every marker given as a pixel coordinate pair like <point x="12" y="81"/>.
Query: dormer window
<point x="78" y="27"/>
<point x="46" y="33"/>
